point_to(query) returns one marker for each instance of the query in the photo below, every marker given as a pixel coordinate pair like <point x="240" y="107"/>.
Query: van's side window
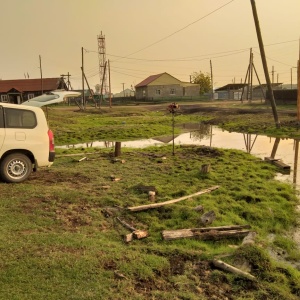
<point x="19" y="118"/>
<point x="1" y="117"/>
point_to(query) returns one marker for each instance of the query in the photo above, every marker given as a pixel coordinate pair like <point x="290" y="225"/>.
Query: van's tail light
<point x="51" y="140"/>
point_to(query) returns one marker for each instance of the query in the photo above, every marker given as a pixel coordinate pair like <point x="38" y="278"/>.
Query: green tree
<point x="203" y="80"/>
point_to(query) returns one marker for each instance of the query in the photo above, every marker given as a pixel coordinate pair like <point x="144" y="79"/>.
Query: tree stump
<point x="249" y="239"/>
<point x="208" y="217"/>
<point x="151" y="196"/>
<point x="199" y="208"/>
<point x="118" y="149"/>
<point x="205" y="169"/>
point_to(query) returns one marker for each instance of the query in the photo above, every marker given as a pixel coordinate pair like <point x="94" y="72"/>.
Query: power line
<point x="181" y="29"/>
<point x="193" y="58"/>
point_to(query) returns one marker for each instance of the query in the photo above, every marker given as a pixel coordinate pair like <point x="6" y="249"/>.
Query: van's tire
<point x="15" y="167"/>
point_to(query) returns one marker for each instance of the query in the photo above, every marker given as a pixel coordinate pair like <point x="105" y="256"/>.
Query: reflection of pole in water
<point x="275" y="147"/>
<point x="296" y="145"/>
<point x="108" y="144"/>
<point x="247" y="139"/>
<point x="210" y="139"/>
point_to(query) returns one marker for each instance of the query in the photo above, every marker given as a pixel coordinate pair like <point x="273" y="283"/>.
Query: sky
<point x="148" y="37"/>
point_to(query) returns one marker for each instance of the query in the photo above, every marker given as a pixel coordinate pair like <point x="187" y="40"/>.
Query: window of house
<point x="19" y="118"/>
<point x="30" y="96"/>
<point x="157" y="92"/>
<point x="172" y="91"/>
<point x="4" y="98"/>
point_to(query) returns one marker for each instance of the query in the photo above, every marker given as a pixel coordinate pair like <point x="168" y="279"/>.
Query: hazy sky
<point x="147" y="37"/>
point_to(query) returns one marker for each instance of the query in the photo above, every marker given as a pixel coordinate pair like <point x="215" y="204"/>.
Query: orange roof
<point x="29" y="85"/>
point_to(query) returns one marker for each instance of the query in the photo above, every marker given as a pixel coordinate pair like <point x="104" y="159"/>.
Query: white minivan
<point x="26" y="142"/>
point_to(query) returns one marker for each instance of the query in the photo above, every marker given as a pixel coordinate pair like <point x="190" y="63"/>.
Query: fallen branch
<point x="207" y="233"/>
<point x="226" y="267"/>
<point x="82" y="159"/>
<point x="125" y="224"/>
<point x="136" y="233"/>
<point x="155" y="205"/>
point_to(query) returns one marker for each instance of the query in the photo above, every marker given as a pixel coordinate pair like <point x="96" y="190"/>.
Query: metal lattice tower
<point x="102" y="62"/>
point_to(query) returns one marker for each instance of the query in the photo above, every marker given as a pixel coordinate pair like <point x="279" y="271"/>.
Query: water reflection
<point x="261" y="146"/>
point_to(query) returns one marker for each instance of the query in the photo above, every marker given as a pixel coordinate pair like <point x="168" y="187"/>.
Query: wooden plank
<point x="222" y="228"/>
<point x="281" y="165"/>
<point x="210" y="233"/>
<point x="155" y="205"/>
<point x="271" y="159"/>
<point x="278" y="163"/>
<point x="226" y="267"/>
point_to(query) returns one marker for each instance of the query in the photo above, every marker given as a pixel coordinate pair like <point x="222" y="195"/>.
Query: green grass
<point x="56" y="243"/>
<point x="112" y="124"/>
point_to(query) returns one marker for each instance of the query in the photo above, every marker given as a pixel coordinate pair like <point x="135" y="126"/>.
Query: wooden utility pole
<point x="102" y="83"/>
<point x="264" y="62"/>
<point x="82" y="69"/>
<point x="109" y="84"/>
<point x="68" y="82"/>
<point x="42" y="89"/>
<point x="298" y="87"/>
<point x="250" y="78"/>
<point x="212" y="81"/>
<point x="273" y="74"/>
<point x="91" y="91"/>
<point x="123" y="89"/>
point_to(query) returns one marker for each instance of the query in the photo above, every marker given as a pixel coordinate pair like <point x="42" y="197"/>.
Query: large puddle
<point x="261" y="146"/>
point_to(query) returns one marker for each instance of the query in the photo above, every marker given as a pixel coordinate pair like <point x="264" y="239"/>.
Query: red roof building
<point x="20" y="90"/>
<point x="165" y="86"/>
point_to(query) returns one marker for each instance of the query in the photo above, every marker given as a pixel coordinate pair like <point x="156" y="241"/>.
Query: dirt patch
<point x="49" y="177"/>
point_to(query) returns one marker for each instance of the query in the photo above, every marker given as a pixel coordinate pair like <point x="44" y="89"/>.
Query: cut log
<point x="221" y="228"/>
<point x="226" y="267"/>
<point x="128" y="238"/>
<point x="140" y="234"/>
<point x="207" y="233"/>
<point x="208" y="217"/>
<point x="155" y="205"/>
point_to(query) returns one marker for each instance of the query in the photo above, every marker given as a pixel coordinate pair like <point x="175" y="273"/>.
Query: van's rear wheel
<point x="15" y="167"/>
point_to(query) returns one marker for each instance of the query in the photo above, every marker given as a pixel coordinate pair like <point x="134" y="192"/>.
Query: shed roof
<point x="264" y="85"/>
<point x="231" y="86"/>
<point x="29" y="85"/>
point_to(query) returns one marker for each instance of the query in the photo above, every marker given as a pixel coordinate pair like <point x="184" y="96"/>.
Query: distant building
<point x="126" y="93"/>
<point x="20" y="90"/>
<point x="236" y="91"/>
<point x="165" y="85"/>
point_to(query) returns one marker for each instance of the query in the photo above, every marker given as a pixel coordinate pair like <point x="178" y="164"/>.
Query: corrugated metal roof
<point x="231" y="86"/>
<point x="29" y="85"/>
